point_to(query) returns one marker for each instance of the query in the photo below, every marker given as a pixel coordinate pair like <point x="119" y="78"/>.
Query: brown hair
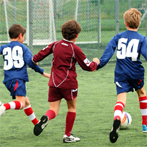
<point x="132" y="17"/>
<point x="15" y="30"/>
<point x="70" y="29"/>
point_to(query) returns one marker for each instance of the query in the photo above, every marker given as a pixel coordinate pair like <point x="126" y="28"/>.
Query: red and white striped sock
<point x="29" y="112"/>
<point x="13" y="105"/>
<point x="143" y="108"/>
<point x="70" y="118"/>
<point x="118" y="110"/>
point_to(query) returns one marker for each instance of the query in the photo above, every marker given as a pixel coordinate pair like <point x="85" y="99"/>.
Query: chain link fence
<point x="100" y="20"/>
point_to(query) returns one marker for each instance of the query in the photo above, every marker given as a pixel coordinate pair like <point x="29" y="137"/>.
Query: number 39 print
<point x="13" y="57"/>
<point x="129" y="50"/>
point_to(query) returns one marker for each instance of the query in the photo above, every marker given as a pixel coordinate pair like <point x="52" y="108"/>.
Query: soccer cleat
<point x="41" y="125"/>
<point x="2" y="109"/>
<point x="114" y="132"/>
<point x="144" y="128"/>
<point x="71" y="138"/>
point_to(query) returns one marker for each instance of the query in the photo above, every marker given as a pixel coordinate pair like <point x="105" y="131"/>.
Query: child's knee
<point x="141" y="92"/>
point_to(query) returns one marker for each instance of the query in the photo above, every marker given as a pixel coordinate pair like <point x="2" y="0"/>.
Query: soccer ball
<point x="126" y="120"/>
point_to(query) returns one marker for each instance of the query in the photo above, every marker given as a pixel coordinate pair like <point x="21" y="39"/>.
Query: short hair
<point x="70" y="29"/>
<point x="15" y="30"/>
<point x="132" y="17"/>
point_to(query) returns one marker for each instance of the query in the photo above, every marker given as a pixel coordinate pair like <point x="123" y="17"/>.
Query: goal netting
<point x="47" y="18"/>
<point x="42" y="15"/>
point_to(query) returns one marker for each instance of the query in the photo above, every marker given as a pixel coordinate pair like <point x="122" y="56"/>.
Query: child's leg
<point x="143" y="108"/>
<point x="143" y="105"/>
<point x="17" y="105"/>
<point x="70" y="117"/>
<point x="29" y="111"/>
<point x="50" y="114"/>
<point x="118" y="111"/>
<point x="119" y="106"/>
<point x="13" y="105"/>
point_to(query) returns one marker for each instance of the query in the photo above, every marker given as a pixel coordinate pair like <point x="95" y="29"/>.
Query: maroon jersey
<point x="65" y="55"/>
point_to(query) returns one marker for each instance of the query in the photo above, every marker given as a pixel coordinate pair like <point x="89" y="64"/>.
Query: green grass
<point x="96" y="100"/>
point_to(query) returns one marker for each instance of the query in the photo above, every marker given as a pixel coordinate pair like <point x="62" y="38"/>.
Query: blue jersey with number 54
<point x="16" y="58"/>
<point x="129" y="45"/>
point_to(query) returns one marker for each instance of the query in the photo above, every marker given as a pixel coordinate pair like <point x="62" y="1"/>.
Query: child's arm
<point x="84" y="62"/>
<point x="108" y="53"/>
<point x="43" y="53"/>
<point x="28" y="59"/>
<point x="46" y="75"/>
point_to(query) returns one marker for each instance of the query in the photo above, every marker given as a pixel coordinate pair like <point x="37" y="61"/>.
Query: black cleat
<point x="114" y="132"/>
<point x="41" y="125"/>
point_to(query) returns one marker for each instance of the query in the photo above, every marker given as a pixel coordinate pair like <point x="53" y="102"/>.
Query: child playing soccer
<point x="129" y="72"/>
<point x="16" y="57"/>
<point x="63" y="82"/>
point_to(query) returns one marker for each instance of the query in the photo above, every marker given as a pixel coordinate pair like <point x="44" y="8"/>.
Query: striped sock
<point x="13" y="105"/>
<point x="143" y="108"/>
<point x="29" y="112"/>
<point x="118" y="110"/>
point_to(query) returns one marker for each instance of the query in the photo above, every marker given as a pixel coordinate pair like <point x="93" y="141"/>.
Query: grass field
<point x="96" y="100"/>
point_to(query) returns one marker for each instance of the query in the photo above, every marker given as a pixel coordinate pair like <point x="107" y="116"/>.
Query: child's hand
<point x="34" y="62"/>
<point x="46" y="75"/>
<point x="96" y="60"/>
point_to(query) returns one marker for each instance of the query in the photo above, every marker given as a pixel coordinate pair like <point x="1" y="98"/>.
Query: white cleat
<point x="71" y="138"/>
<point x="2" y="109"/>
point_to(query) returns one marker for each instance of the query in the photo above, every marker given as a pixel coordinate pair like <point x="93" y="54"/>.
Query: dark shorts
<point x="56" y="94"/>
<point x="129" y="85"/>
<point x="16" y="87"/>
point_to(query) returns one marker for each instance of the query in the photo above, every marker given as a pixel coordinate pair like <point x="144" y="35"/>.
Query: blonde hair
<point x="132" y="17"/>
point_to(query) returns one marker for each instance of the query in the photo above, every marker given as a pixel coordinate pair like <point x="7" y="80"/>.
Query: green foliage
<point x="96" y="100"/>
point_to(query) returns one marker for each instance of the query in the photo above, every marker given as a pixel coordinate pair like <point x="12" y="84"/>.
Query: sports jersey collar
<point x="68" y="40"/>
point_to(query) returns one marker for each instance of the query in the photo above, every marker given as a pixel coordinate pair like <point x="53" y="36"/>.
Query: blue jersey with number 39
<point x="16" y="58"/>
<point x="129" y="45"/>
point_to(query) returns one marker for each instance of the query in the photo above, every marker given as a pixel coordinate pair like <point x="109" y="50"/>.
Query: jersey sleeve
<point x="28" y="59"/>
<point x="0" y="50"/>
<point x="83" y="60"/>
<point x="108" y="53"/>
<point x="144" y="48"/>
<point x="43" y="53"/>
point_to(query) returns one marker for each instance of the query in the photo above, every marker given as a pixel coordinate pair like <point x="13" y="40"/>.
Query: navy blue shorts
<point x="17" y="87"/>
<point x="129" y="85"/>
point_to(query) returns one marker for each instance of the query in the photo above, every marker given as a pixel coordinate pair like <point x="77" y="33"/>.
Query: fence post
<point x="55" y="13"/>
<point x="99" y="22"/>
<point x="30" y="25"/>
<point x="88" y="12"/>
<point x="117" y="15"/>
<point x="129" y="4"/>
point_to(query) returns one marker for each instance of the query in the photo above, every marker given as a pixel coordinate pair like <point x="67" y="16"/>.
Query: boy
<point x="129" y="73"/>
<point x="63" y="82"/>
<point x="16" y="57"/>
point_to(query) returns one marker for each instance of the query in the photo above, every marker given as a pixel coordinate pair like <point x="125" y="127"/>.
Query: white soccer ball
<point x="126" y="120"/>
